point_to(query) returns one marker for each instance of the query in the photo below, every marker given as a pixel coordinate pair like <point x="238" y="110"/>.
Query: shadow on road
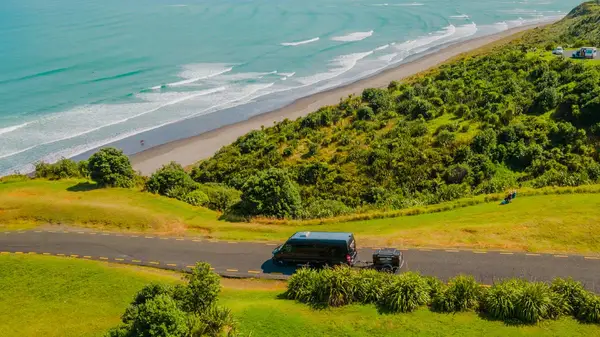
<point x="269" y="267"/>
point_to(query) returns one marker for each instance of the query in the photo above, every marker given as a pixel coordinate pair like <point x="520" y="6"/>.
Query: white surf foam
<point x="462" y="16"/>
<point x="339" y="65"/>
<point x="356" y="36"/>
<point x="409" y="4"/>
<point x="12" y="128"/>
<point x="382" y="47"/>
<point x="300" y="42"/>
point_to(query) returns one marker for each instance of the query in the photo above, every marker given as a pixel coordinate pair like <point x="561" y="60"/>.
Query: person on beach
<point x="142" y="142"/>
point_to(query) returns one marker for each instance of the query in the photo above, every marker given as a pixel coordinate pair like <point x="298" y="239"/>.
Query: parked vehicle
<point x="586" y="52"/>
<point x="317" y="248"/>
<point x="558" y="51"/>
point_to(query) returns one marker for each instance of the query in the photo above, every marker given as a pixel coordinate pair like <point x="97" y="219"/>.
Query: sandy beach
<point x="190" y="150"/>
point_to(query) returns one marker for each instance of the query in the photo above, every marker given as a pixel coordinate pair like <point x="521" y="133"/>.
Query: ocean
<point x="76" y="75"/>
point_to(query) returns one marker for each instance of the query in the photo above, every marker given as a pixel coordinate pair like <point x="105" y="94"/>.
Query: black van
<point x="317" y="248"/>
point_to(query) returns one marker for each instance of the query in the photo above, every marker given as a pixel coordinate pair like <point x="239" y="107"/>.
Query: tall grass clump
<point x="301" y="285"/>
<point x="405" y="293"/>
<point x="534" y="302"/>
<point x="572" y="291"/>
<point x="370" y="284"/>
<point x="500" y="301"/>
<point x="334" y="287"/>
<point x="589" y="309"/>
<point x="462" y="294"/>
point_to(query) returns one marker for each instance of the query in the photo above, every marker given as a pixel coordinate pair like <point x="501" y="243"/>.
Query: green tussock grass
<point x="62" y="297"/>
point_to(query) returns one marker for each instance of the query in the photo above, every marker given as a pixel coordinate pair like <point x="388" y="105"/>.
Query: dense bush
<point x="462" y="294"/>
<point x="271" y="193"/>
<point x="405" y="293"/>
<point x="220" y="197"/>
<point x="325" y="209"/>
<point x="513" y="300"/>
<point x="169" y="177"/>
<point x="196" y="198"/>
<point x="179" y="311"/>
<point x="109" y="167"/>
<point x="62" y="169"/>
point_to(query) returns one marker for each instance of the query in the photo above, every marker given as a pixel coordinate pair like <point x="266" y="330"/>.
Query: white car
<point x="558" y="51"/>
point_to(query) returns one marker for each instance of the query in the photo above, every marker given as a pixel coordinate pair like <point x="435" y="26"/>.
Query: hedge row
<point x="512" y="300"/>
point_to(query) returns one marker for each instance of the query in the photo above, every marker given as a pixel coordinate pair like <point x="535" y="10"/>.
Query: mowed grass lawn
<point x="62" y="297"/>
<point x="567" y="223"/>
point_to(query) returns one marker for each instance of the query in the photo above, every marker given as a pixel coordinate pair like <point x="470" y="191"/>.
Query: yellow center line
<point x="105" y="234"/>
<point x="179" y="239"/>
<point x="4" y="252"/>
<point x="197" y="240"/>
<point x="232" y="270"/>
<point x="149" y="237"/>
<point x="507" y="253"/>
<point x="32" y="253"/>
<point x="65" y="232"/>
<point x="103" y="258"/>
<point x="118" y="234"/>
<point x="153" y="262"/>
<point x="532" y="254"/>
<point x="164" y="238"/>
<point x="171" y="264"/>
<point x="87" y="257"/>
<point x="562" y="256"/>
<point x="45" y="253"/>
<point x="37" y="231"/>
<point x="231" y="242"/>
<point x="254" y="272"/>
<point x="211" y="268"/>
<point x="452" y="250"/>
<point x="118" y="259"/>
<point x="591" y="258"/>
<point x="135" y="236"/>
<point x="92" y="233"/>
<point x="80" y="232"/>
<point x="60" y="254"/>
<point x="136" y="261"/>
<point x="271" y="244"/>
<point x="190" y="266"/>
<point x="18" y="252"/>
<point x="74" y="255"/>
<point x="479" y="252"/>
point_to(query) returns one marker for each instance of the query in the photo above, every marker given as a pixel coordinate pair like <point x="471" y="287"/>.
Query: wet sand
<point x="190" y="150"/>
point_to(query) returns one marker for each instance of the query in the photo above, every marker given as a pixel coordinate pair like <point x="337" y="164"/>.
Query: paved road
<point x="253" y="259"/>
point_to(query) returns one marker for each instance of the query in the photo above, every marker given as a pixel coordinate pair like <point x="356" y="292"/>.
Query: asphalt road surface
<point x="245" y="259"/>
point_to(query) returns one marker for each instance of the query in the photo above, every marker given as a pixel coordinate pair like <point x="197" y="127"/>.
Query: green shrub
<point x="405" y="293"/>
<point x="335" y="287"/>
<point x="534" y="302"/>
<point x="370" y="284"/>
<point x="271" y="193"/>
<point x="501" y="299"/>
<point x="109" y="167"/>
<point x="325" y="209"/>
<point x="589" y="309"/>
<point x="572" y="291"/>
<point x="463" y="293"/>
<point x="196" y="198"/>
<point x="62" y="169"/>
<point x="301" y="284"/>
<point x="169" y="177"/>
<point x="220" y="197"/>
<point x="436" y="286"/>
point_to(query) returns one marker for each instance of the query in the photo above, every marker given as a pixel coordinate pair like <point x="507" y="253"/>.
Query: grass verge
<point x="50" y="296"/>
<point x="539" y="220"/>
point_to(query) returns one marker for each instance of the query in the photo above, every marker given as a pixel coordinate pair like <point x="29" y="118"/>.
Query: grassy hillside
<point x="542" y="220"/>
<point x="482" y="124"/>
<point x="37" y="300"/>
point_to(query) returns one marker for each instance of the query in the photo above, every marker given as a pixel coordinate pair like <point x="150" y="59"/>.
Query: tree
<point x="271" y="193"/>
<point x="109" y="167"/>
<point x="202" y="289"/>
<point x="168" y="177"/>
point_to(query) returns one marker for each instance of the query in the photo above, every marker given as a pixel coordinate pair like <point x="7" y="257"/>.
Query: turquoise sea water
<point x="76" y="75"/>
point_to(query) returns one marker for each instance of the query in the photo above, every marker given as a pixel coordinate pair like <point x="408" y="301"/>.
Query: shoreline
<point x="190" y="150"/>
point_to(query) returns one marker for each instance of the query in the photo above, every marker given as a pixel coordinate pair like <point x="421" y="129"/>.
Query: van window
<point x="352" y="246"/>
